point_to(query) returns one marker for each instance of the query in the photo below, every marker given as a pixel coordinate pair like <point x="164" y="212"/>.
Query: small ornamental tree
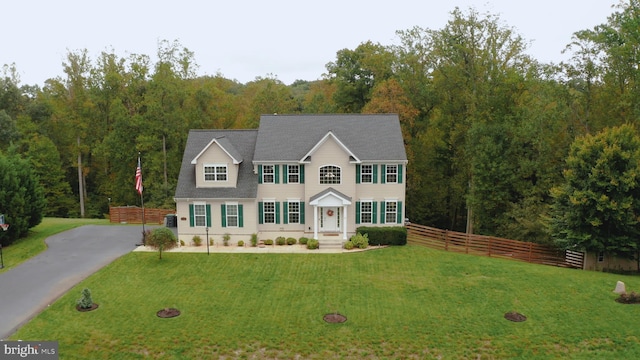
<point x="85" y="302"/>
<point x="162" y="239"/>
<point x="598" y="206"/>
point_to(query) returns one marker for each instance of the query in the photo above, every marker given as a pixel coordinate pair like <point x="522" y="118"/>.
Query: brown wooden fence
<point x="491" y="246"/>
<point x="133" y="215"/>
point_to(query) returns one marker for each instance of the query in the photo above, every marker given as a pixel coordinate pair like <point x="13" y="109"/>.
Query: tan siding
<point x="215" y="155"/>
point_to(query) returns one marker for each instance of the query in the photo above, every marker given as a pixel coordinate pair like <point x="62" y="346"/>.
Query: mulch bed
<point x="93" y="307"/>
<point x="168" y="313"/>
<point x="631" y="298"/>
<point x="514" y="316"/>
<point x="334" y="318"/>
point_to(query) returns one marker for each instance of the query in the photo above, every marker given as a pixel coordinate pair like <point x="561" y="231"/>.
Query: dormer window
<point x="215" y="172"/>
<point x="330" y="174"/>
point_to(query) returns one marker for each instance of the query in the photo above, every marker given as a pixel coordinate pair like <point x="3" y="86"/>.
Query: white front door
<point x="329" y="219"/>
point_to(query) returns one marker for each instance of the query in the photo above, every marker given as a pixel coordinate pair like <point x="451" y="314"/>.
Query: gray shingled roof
<point x="243" y="143"/>
<point x="370" y="137"/>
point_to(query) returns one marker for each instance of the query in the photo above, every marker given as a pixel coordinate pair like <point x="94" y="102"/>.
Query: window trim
<point x="370" y="202"/>
<point x="289" y="212"/>
<point x="289" y="174"/>
<point x="339" y="175"/>
<point x="387" y="173"/>
<point x="272" y="173"/>
<point x="236" y="216"/>
<point x="215" y="173"/>
<point x="395" y="212"/>
<point x="203" y="215"/>
<point x="362" y="174"/>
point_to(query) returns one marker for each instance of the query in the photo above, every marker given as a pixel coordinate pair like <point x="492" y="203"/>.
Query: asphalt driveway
<point x="71" y="257"/>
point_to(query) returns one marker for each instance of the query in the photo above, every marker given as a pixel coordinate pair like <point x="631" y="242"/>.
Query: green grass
<point x="33" y="244"/>
<point x="401" y="302"/>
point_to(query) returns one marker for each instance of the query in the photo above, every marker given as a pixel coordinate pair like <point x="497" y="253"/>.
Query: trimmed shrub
<point x="280" y="240"/>
<point x="197" y="240"/>
<point x="291" y="241"/>
<point x="360" y="241"/>
<point x="313" y="244"/>
<point x="348" y="245"/>
<point x="181" y="242"/>
<point x="254" y="240"/>
<point x="225" y="239"/>
<point x="268" y="242"/>
<point x="303" y="240"/>
<point x="388" y="235"/>
<point x="240" y="243"/>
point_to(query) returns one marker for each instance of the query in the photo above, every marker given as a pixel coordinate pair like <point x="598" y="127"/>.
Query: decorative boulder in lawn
<point x="620" y="288"/>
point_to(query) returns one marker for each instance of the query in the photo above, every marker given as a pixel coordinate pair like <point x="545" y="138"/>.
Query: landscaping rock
<point x="620" y="288"/>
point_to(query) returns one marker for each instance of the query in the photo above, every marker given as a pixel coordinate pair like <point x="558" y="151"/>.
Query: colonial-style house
<point x="318" y="176"/>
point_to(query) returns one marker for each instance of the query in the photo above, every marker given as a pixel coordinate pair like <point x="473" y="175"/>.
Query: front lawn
<point x="400" y="302"/>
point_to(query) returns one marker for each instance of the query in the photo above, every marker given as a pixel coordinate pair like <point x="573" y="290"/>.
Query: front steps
<point x="330" y="241"/>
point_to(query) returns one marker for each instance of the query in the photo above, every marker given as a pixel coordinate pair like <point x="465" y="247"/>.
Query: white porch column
<point x="344" y="222"/>
<point x="315" y="222"/>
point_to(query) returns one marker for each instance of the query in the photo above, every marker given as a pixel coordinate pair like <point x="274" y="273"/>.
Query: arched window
<point x="329" y="174"/>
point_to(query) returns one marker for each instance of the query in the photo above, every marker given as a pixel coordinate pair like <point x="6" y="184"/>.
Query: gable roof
<point x="242" y="141"/>
<point x="290" y="138"/>
<point x="226" y="146"/>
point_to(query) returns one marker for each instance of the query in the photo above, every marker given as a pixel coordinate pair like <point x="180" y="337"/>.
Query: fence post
<point x="530" y="250"/>
<point x="489" y="252"/>
<point x="446" y="240"/>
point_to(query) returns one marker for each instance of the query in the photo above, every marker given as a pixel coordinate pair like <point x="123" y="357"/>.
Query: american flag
<point x="139" y="178"/>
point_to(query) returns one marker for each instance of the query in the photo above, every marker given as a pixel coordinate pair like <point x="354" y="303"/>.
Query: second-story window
<point x="392" y="174"/>
<point x="293" y="174"/>
<point x="329" y="174"/>
<point x="215" y="173"/>
<point x="268" y="174"/>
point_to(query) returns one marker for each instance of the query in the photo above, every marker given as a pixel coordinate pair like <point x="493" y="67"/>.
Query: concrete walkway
<point x="71" y="257"/>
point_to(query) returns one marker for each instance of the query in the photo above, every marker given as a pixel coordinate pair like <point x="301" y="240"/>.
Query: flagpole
<point x="139" y="188"/>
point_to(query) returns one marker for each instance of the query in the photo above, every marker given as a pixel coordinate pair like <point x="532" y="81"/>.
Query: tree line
<point x="488" y="129"/>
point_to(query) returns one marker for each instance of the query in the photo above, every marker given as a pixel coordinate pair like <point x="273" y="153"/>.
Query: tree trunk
<point x="164" y="153"/>
<point x="80" y="179"/>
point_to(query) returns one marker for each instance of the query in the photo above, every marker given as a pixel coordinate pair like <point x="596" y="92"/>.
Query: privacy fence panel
<point x="133" y="215"/>
<point x="492" y="246"/>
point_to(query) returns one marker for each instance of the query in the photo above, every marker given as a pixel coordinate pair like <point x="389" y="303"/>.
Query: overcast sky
<point x="245" y="39"/>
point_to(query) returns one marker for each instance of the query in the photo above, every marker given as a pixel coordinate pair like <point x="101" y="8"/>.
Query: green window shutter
<point x="383" y="174"/>
<point x="375" y="174"/>
<point x="277" y="212"/>
<point x="399" y="173"/>
<point x="301" y="173"/>
<point x="223" y="214"/>
<point x="358" y="169"/>
<point x="259" y="174"/>
<point x="357" y="212"/>
<point x="191" y="218"/>
<point x="301" y="212"/>
<point x="399" y="212"/>
<point x="208" y="209"/>
<point x="260" y="213"/>
<point x="285" y="210"/>
<point x="383" y="211"/>
<point x="374" y="216"/>
<point x="240" y="216"/>
<point x="276" y="174"/>
<point x="285" y="174"/>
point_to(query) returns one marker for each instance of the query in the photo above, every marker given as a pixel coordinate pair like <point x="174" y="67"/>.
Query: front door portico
<point x="330" y="212"/>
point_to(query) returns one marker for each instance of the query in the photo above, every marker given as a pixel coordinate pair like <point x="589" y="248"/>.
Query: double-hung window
<point x="329" y="174"/>
<point x="293" y="213"/>
<point x="269" y="212"/>
<point x="366" y="174"/>
<point x="232" y="215"/>
<point x="215" y="172"/>
<point x="293" y="174"/>
<point x="366" y="212"/>
<point x="391" y="174"/>
<point x="199" y="214"/>
<point x="268" y="174"/>
<point x="391" y="212"/>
